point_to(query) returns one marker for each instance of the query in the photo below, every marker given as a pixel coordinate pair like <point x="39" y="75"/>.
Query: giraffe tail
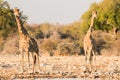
<point x="35" y="59"/>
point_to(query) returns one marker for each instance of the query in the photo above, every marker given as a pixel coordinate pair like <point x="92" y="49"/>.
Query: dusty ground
<point x="66" y="65"/>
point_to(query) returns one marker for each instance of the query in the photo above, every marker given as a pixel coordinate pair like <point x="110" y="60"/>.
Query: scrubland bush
<point x="106" y="44"/>
<point x="1" y="43"/>
<point x="49" y="46"/>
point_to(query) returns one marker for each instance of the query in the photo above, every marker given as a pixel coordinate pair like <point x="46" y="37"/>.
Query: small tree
<point x="7" y="19"/>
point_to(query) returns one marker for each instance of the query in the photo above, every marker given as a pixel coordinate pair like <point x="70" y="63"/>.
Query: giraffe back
<point x="33" y="46"/>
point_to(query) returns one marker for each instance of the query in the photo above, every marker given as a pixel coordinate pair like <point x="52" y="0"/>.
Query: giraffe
<point x="27" y="45"/>
<point x="89" y="45"/>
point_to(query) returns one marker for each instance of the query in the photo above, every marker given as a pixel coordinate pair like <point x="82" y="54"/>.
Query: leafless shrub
<point x="11" y="46"/>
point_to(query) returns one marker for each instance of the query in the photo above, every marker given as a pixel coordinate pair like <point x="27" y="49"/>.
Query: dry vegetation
<point x="62" y="58"/>
<point x="58" y="42"/>
<point x="61" y="46"/>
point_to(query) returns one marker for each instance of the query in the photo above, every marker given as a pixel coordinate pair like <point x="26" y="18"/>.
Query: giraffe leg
<point x="90" y="61"/>
<point x="94" y="61"/>
<point x="94" y="64"/>
<point x="29" y="62"/>
<point x="34" y="61"/>
<point x="86" y="61"/>
<point x="38" y="61"/>
<point x="23" y="62"/>
<point x="33" y="66"/>
<point x="90" y="65"/>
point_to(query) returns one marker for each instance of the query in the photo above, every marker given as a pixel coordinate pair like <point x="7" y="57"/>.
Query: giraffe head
<point x="94" y="14"/>
<point x="16" y="12"/>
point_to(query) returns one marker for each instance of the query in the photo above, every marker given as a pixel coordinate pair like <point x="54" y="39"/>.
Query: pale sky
<point x="52" y="11"/>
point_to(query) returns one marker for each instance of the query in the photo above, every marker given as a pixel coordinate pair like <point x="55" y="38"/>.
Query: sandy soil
<point x="62" y="65"/>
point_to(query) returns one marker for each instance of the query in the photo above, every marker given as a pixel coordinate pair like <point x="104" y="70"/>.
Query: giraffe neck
<point x="92" y="21"/>
<point x="21" y="29"/>
<point x="89" y="32"/>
